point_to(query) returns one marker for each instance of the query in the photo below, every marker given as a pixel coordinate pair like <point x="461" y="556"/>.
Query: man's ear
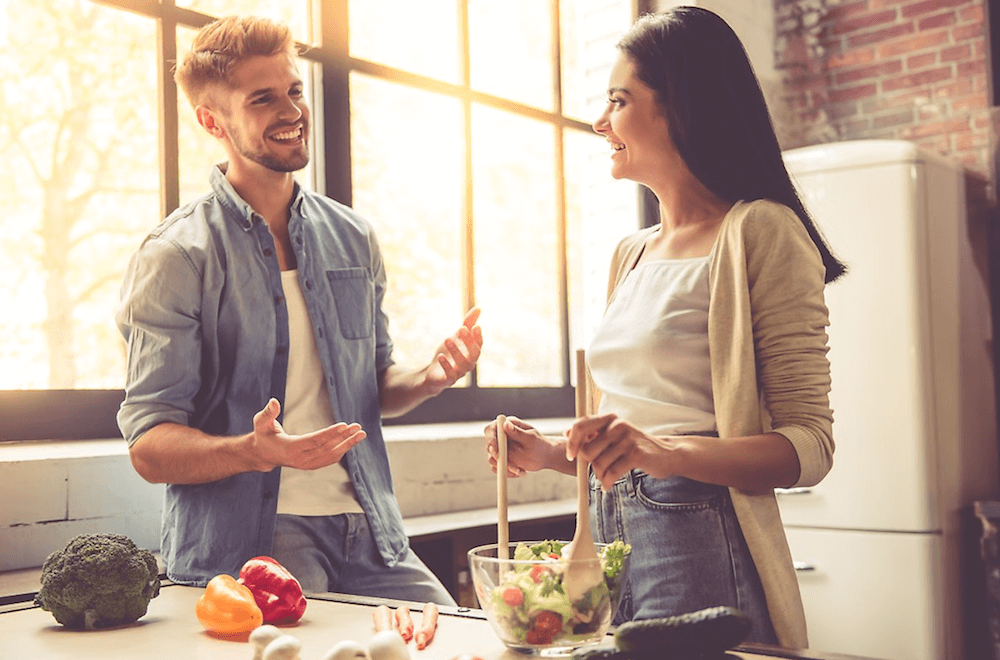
<point x="207" y="118"/>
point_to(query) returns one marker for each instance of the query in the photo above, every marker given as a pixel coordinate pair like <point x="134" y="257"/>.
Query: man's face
<point x="263" y="116"/>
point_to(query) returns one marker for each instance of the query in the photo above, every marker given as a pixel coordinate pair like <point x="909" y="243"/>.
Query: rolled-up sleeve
<point x="790" y="319"/>
<point x="159" y="316"/>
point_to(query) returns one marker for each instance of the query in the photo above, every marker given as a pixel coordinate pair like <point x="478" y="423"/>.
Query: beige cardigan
<point x="767" y="342"/>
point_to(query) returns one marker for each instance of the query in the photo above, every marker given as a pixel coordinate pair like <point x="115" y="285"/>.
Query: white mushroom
<point x="261" y="637"/>
<point x="388" y="645"/>
<point x="285" y="647"/>
<point x="347" y="650"/>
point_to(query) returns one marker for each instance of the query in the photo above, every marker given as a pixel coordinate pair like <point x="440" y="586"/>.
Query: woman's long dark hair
<point x="715" y="110"/>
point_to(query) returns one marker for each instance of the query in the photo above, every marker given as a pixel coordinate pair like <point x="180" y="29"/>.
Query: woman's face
<point x="636" y="128"/>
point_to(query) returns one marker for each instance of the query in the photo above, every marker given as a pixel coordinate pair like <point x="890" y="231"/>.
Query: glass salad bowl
<point x="525" y="601"/>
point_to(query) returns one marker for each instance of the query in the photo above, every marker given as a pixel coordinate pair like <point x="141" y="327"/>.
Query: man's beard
<point x="275" y="164"/>
<point x="293" y="163"/>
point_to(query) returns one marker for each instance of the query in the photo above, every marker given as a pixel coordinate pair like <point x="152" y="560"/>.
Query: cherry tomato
<point x="548" y="622"/>
<point x="538" y="572"/>
<point x="513" y="596"/>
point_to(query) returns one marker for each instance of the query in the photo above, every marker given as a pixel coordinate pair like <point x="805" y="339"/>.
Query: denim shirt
<point x="203" y="312"/>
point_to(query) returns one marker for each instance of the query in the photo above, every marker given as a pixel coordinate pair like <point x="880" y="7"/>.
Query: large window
<point x="459" y="128"/>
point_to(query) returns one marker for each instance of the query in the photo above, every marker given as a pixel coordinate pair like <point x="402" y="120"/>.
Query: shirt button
<point x="267" y="252"/>
<point x="309" y="284"/>
<point x="281" y="350"/>
<point x="299" y="240"/>
<point x="278" y="300"/>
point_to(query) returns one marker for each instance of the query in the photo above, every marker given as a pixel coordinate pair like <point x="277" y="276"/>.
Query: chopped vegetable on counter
<point x="382" y="618"/>
<point x="261" y="637"/>
<point x="277" y="592"/>
<point x="98" y="580"/>
<point x="347" y="650"/>
<point x="404" y="623"/>
<point x="388" y="645"/>
<point x="428" y="626"/>
<point x="228" y="608"/>
<point x="285" y="647"/>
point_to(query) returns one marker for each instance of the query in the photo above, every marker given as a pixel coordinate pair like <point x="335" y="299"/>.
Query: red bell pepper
<point x="277" y="592"/>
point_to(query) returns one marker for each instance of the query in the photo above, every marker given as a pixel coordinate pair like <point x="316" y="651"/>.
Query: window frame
<point x="90" y="414"/>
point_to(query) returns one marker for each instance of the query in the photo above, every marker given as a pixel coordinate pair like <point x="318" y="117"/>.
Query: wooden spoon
<point x="503" y="529"/>
<point x="583" y="569"/>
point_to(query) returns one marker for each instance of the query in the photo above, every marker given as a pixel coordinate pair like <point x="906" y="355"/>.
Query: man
<point x="259" y="360"/>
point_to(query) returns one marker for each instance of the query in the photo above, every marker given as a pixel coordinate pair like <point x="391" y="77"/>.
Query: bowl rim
<point x="513" y="544"/>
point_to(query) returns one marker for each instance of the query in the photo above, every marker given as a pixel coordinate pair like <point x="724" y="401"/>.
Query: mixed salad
<point x="530" y="604"/>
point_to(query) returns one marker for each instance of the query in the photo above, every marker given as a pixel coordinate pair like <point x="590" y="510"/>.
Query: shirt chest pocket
<point x="354" y="297"/>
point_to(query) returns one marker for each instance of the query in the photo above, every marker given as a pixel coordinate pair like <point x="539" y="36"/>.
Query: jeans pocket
<point x="678" y="494"/>
<point x="354" y="298"/>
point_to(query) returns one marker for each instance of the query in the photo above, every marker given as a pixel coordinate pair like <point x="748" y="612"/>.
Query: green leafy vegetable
<point x="543" y="613"/>
<point x="98" y="580"/>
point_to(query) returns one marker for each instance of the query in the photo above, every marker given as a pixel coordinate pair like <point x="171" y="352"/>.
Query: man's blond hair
<point x="222" y="44"/>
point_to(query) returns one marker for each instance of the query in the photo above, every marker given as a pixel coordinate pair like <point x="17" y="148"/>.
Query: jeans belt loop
<point x="630" y="483"/>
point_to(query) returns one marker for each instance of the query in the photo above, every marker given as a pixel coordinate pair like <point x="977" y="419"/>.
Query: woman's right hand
<point x="527" y="449"/>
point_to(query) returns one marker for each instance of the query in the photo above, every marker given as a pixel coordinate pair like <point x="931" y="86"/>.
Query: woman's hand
<point x="527" y="449"/>
<point x="612" y="446"/>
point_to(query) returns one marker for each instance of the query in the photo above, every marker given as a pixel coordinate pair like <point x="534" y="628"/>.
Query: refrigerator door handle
<point x="793" y="491"/>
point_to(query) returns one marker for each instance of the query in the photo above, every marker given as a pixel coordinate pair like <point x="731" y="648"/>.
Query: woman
<point x="709" y="368"/>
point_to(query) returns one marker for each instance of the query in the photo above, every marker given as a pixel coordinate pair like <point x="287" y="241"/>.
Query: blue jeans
<point x="688" y="552"/>
<point x="338" y="554"/>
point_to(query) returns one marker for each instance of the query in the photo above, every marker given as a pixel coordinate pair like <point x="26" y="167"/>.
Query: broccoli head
<point x="98" y="580"/>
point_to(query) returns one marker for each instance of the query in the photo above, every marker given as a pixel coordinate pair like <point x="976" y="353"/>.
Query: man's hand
<point x="456" y="356"/>
<point x="310" y="451"/>
<point x="401" y="389"/>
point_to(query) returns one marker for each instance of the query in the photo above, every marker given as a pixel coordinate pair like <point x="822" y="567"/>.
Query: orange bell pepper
<point x="228" y="608"/>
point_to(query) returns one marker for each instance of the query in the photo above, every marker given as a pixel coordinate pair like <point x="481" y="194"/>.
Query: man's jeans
<point x="338" y="554"/>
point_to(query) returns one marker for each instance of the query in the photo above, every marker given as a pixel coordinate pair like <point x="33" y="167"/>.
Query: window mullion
<point x="336" y="118"/>
<point x="468" y="237"/>
<point x="169" y="115"/>
<point x="560" y="178"/>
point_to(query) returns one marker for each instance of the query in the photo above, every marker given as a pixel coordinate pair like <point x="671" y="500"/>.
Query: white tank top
<point x="649" y="355"/>
<point x="326" y="491"/>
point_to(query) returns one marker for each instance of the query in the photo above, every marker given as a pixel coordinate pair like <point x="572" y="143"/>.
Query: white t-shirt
<point x="649" y="356"/>
<point x="326" y="491"/>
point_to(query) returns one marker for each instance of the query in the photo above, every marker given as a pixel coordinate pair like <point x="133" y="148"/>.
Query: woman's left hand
<point x="612" y="446"/>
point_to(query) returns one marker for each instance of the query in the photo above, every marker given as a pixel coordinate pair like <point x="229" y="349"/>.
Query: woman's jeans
<point x="688" y="552"/>
<point x="338" y="553"/>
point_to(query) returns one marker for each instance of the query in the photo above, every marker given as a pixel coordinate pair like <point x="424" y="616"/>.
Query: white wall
<point x="753" y="23"/>
<point x="52" y="491"/>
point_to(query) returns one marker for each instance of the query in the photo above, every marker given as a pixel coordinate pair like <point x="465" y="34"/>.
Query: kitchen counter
<point x="170" y="630"/>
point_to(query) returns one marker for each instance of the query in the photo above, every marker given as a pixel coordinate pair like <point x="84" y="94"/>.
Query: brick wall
<point x="897" y="69"/>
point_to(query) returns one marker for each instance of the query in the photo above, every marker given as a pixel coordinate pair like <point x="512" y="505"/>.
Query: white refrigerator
<point x="877" y="543"/>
